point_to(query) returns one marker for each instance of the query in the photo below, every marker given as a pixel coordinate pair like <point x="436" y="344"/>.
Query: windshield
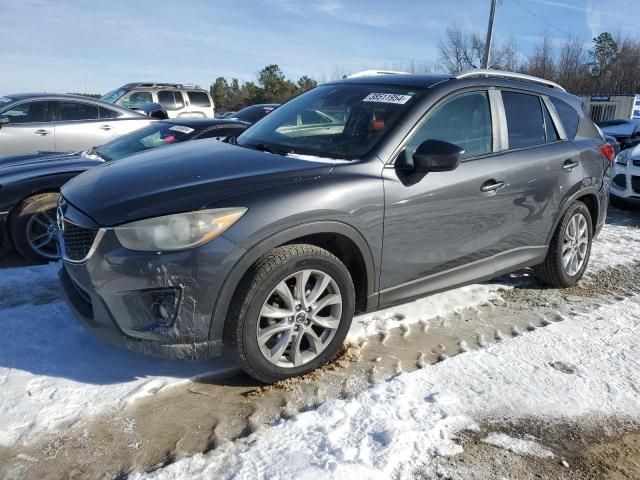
<point x="158" y="134"/>
<point x="343" y="121"/>
<point x="113" y="96"/>
<point x="4" y="101"/>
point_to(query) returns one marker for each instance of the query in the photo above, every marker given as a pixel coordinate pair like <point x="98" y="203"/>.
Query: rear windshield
<point x="343" y="121"/>
<point x="158" y="134"/>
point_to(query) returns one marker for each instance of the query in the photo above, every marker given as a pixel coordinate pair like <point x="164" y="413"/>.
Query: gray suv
<point x="267" y="246"/>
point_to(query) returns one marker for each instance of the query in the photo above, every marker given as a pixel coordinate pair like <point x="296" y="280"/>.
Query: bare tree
<point x="542" y="63"/>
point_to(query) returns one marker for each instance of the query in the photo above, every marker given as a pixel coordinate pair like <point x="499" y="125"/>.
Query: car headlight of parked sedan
<point x="178" y="231"/>
<point x="622" y="158"/>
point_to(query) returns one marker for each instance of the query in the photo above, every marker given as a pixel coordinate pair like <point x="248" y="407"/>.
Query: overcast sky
<point x="95" y="46"/>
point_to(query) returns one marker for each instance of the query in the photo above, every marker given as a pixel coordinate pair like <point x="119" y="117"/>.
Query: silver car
<point x="33" y="122"/>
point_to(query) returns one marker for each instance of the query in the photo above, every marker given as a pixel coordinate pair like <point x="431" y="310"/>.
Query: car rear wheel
<point x="570" y="248"/>
<point x="33" y="228"/>
<point x="291" y="313"/>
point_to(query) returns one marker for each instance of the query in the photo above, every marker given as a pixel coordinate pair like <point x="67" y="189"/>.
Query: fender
<point x="225" y="296"/>
<point x="591" y="190"/>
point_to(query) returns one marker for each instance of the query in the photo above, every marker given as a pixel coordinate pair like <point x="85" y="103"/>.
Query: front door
<point x="445" y="221"/>
<point x="29" y="129"/>
<point x="78" y="126"/>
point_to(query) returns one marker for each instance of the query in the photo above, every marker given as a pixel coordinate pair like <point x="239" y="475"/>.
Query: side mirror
<point x="4" y="121"/>
<point x="436" y="156"/>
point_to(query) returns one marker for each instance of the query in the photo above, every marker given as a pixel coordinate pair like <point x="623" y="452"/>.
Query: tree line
<point x="607" y="65"/>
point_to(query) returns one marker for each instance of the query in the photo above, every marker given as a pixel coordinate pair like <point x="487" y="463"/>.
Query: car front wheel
<point x="291" y="313"/>
<point x="569" y="250"/>
<point x="33" y="228"/>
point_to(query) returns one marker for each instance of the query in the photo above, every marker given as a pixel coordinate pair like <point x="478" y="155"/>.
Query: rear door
<point x="78" y="126"/>
<point x="542" y="162"/>
<point x="30" y="128"/>
<point x="172" y="101"/>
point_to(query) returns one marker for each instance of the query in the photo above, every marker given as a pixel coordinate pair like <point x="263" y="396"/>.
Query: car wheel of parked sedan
<point x="569" y="250"/>
<point x="34" y="230"/>
<point x="291" y="313"/>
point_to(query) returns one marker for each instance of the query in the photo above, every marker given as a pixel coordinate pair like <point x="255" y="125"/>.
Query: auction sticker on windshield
<point x="387" y="98"/>
<point x="182" y="129"/>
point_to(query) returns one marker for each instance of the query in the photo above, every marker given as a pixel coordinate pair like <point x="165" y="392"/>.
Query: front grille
<point x="636" y="163"/>
<point x="77" y="240"/>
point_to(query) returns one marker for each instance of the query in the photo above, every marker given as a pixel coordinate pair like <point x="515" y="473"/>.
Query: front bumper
<point x="625" y="182"/>
<point x="115" y="292"/>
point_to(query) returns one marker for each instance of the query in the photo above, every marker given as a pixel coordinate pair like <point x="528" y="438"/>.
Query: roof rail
<point x="371" y="73"/>
<point x="487" y="72"/>
<point x="161" y="85"/>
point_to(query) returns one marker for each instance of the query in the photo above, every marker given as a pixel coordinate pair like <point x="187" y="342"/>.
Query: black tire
<point x="19" y="224"/>
<point x="551" y="272"/>
<point x="240" y="337"/>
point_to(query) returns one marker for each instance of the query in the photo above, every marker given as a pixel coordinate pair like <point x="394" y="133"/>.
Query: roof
<point x="22" y="96"/>
<point x="404" y="80"/>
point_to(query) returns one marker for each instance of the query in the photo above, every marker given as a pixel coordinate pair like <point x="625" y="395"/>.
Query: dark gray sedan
<point x="43" y="122"/>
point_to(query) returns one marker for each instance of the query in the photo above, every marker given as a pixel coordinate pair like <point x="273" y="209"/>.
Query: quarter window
<point x="199" y="99"/>
<point x="464" y="120"/>
<point x="69" y="111"/>
<point x="525" y="121"/>
<point x="569" y="117"/>
<point x="170" y="99"/>
<point x="29" y="112"/>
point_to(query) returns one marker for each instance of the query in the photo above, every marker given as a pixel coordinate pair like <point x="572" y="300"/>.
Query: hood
<point x="181" y="178"/>
<point x="39" y="164"/>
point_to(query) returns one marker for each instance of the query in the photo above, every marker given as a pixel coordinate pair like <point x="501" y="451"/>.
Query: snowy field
<point x="54" y="374"/>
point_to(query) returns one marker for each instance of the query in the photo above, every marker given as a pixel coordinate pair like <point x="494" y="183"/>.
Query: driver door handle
<point x="42" y="132"/>
<point x="491" y="186"/>
<point x="105" y="127"/>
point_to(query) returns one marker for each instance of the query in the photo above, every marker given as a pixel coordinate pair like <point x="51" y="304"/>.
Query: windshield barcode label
<point x="387" y="98"/>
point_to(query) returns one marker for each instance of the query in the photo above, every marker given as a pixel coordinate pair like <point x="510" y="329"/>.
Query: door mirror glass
<point x="437" y="156"/>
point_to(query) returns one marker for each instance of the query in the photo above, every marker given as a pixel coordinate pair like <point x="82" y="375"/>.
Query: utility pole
<point x="487" y="44"/>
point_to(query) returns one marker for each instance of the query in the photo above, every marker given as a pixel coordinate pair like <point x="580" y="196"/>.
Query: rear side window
<point x="170" y="99"/>
<point x="568" y="116"/>
<point x="108" y="113"/>
<point x="70" y="111"/>
<point x="525" y="121"/>
<point x="464" y="120"/>
<point x="199" y="99"/>
<point x="29" y="112"/>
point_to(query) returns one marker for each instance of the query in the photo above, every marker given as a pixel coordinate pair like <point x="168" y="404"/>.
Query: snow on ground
<point x="395" y="427"/>
<point x="519" y="446"/>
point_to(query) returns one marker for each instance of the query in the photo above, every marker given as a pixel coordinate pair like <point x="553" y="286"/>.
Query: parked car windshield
<point x="113" y="96"/>
<point x="342" y="121"/>
<point x="4" y="101"/>
<point x="158" y="134"/>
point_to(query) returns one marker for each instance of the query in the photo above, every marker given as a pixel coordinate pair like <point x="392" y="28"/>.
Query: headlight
<point x="622" y="158"/>
<point x="179" y="231"/>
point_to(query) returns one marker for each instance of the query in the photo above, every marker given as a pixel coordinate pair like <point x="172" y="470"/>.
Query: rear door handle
<point x="491" y="186"/>
<point x="569" y="165"/>
<point x="105" y="127"/>
<point x="42" y="132"/>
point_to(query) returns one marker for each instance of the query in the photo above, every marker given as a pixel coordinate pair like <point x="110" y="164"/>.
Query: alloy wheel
<point x="575" y="245"/>
<point x="299" y="318"/>
<point x="42" y="234"/>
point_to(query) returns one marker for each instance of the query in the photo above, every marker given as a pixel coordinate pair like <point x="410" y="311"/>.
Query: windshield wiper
<point x="266" y="147"/>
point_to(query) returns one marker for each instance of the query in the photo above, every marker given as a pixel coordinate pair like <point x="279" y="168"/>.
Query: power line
<point x="549" y="24"/>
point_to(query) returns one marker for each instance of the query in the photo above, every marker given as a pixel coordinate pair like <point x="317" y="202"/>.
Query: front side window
<point x="352" y="120"/>
<point x="198" y="99"/>
<point x="464" y="120"/>
<point x="108" y="113"/>
<point x="135" y="99"/>
<point x="28" y="112"/>
<point x="170" y="99"/>
<point x="525" y="121"/>
<point x="568" y="116"/>
<point x="73" y="111"/>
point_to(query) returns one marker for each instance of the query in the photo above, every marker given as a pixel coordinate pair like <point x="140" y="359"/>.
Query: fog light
<point x="164" y="305"/>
